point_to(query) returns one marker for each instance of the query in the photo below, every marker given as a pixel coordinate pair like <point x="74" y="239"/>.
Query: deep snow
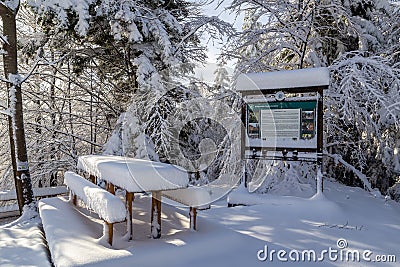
<point x="230" y="236"/>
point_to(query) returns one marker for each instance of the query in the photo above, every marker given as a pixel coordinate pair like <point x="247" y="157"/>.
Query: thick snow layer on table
<point x="106" y="205"/>
<point x="283" y="79"/>
<point x="135" y="175"/>
<point x="196" y="197"/>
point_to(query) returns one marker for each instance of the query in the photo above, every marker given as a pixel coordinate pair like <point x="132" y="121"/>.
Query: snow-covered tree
<point x="298" y="34"/>
<point x="106" y="57"/>
<point x="222" y="80"/>
<point x="14" y="109"/>
<point x="364" y="114"/>
<point x="358" y="40"/>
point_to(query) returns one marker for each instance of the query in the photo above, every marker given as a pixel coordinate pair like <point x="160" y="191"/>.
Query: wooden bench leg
<point x="156" y="214"/>
<point x="193" y="218"/>
<point x="110" y="229"/>
<point x="129" y="199"/>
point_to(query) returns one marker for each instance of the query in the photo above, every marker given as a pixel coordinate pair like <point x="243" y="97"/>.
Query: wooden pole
<point x="156" y="212"/>
<point x="129" y="199"/>
<point x="320" y="137"/>
<point x="243" y="141"/>
<point x="193" y="216"/>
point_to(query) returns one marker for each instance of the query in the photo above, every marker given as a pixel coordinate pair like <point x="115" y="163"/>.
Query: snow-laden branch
<point x="366" y="88"/>
<point x="212" y="22"/>
<point x="338" y="159"/>
<point x="12" y="5"/>
<point x="64" y="133"/>
<point x="4" y="40"/>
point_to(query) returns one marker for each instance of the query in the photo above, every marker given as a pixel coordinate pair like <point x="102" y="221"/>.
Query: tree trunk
<point x="19" y="155"/>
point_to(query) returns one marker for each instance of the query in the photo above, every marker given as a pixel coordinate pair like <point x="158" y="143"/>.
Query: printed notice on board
<point x="280" y="124"/>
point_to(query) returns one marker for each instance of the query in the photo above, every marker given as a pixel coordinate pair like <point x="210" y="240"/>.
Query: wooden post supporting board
<point x="193" y="216"/>
<point x="156" y="214"/>
<point x="320" y="138"/>
<point x="129" y="199"/>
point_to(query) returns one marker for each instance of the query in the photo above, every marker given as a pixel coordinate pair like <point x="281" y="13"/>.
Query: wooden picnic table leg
<point x="110" y="229"/>
<point x="129" y="199"/>
<point x="193" y="216"/>
<point x="93" y="178"/>
<point x="156" y="214"/>
<point x="111" y="188"/>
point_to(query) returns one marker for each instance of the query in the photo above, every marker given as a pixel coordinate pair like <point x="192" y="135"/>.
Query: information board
<point x="291" y="120"/>
<point x="280" y="123"/>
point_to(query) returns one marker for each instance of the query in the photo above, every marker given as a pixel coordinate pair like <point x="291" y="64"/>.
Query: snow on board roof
<point x="135" y="175"/>
<point x="283" y="79"/>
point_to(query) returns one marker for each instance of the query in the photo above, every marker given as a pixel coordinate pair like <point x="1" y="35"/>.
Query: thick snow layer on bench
<point x="135" y="175"/>
<point x="196" y="197"/>
<point x="73" y="239"/>
<point x="109" y="207"/>
<point x="283" y="79"/>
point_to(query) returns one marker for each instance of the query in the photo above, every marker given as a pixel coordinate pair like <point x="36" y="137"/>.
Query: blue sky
<point x="206" y="72"/>
<point x="213" y="9"/>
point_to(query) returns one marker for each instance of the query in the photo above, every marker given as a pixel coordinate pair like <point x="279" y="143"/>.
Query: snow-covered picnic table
<point x="135" y="175"/>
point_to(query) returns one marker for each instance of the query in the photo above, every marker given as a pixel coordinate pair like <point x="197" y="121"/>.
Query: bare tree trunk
<point x="53" y="149"/>
<point x="19" y="155"/>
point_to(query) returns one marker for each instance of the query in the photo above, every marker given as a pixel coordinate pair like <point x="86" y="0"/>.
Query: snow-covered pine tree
<point x="222" y="79"/>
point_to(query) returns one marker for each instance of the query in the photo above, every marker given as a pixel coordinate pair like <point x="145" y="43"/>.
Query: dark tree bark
<point x="18" y="151"/>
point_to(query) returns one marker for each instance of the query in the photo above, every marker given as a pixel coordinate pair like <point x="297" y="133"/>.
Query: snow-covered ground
<point x="344" y="217"/>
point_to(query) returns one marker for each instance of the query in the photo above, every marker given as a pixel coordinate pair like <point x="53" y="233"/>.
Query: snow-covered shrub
<point x="287" y="178"/>
<point x="394" y="192"/>
<point x="363" y="117"/>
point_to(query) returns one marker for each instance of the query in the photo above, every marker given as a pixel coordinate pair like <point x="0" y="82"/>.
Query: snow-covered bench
<point x="109" y="207"/>
<point x="194" y="197"/>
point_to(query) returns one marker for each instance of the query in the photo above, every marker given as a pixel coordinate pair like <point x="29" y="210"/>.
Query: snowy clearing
<point x="226" y="236"/>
